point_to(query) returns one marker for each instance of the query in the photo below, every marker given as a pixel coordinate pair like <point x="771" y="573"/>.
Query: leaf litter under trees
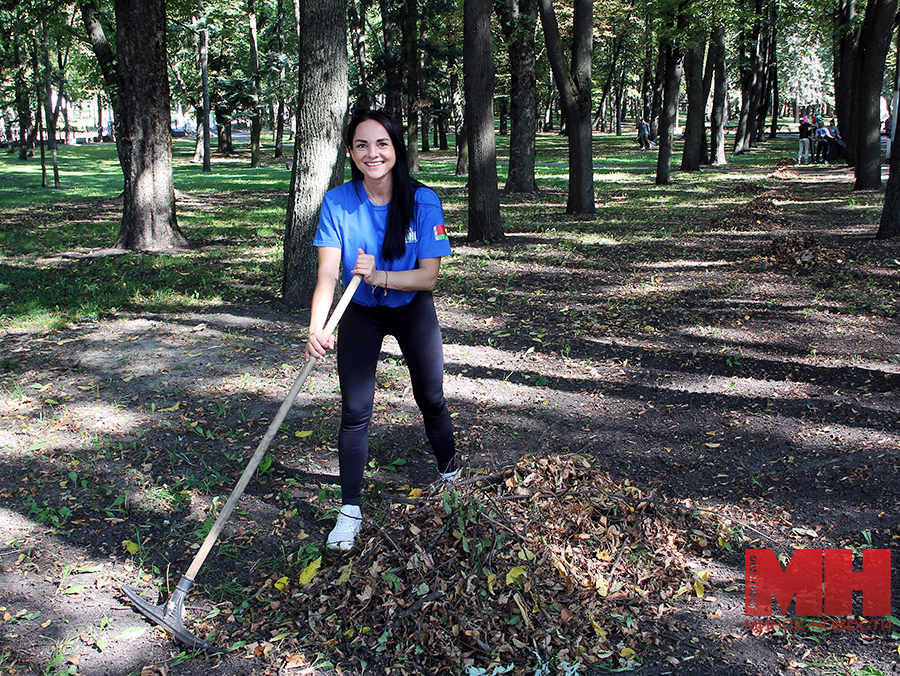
<point x="551" y="562"/>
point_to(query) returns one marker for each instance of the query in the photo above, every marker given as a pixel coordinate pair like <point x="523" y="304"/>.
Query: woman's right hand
<point x="318" y="345"/>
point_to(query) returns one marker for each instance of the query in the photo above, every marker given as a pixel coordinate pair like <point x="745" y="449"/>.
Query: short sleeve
<point x="430" y="228"/>
<point x="328" y="232"/>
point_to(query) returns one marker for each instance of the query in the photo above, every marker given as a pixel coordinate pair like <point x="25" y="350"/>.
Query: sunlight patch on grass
<point x="35" y="320"/>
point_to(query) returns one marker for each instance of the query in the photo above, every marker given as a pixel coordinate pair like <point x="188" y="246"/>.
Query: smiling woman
<point x="388" y="229"/>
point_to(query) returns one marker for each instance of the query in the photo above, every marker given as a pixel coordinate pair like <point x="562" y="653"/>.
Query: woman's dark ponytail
<point x="402" y="208"/>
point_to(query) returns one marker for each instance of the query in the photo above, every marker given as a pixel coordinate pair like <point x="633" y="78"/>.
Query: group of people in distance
<point x="827" y="139"/>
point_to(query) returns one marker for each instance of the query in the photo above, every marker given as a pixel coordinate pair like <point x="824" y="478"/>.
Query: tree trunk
<point x="458" y="112"/>
<point x="874" y="42"/>
<point x="518" y="19"/>
<point x="656" y="101"/>
<point x="647" y="77"/>
<point x="204" y="77"/>
<point x="318" y="147"/>
<point x="749" y="57"/>
<point x="412" y="84"/>
<point x="717" y="117"/>
<point x="843" y="49"/>
<point x="106" y="60"/>
<point x="478" y="82"/>
<point x="49" y="114"/>
<point x="23" y="107"/>
<point x="393" y="93"/>
<point x="256" y="86"/>
<point x="575" y="95"/>
<point x="144" y="135"/>
<point x="282" y="75"/>
<point x="669" y="113"/>
<point x="357" y="26"/>
<point x="889" y="226"/>
<point x="695" y="123"/>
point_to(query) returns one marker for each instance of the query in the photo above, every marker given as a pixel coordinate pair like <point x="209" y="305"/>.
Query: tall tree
<point x="142" y="110"/>
<point x="889" y="225"/>
<point x="871" y="53"/>
<point x="669" y="114"/>
<point x="717" y="116"/>
<point x="393" y="85"/>
<point x="357" y="26"/>
<point x="282" y="74"/>
<point x="203" y="49"/>
<point x="750" y="64"/>
<point x="844" y="50"/>
<point x="695" y="121"/>
<point x="518" y="19"/>
<point x="318" y="147"/>
<point x="51" y="112"/>
<point x="478" y="82"/>
<point x="255" y="88"/>
<point x="412" y="84"/>
<point x="575" y="94"/>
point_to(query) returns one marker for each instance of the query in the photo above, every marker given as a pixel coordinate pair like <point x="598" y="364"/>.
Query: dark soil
<point x="749" y="368"/>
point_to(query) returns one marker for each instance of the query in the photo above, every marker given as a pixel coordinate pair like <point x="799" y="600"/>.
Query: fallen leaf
<point x="310" y="571"/>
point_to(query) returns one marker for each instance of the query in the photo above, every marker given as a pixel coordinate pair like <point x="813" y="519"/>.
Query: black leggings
<point x="360" y="336"/>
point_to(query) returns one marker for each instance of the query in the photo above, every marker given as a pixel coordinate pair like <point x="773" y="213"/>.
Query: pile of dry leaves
<point x="550" y="563"/>
<point x="803" y="250"/>
<point x="758" y="213"/>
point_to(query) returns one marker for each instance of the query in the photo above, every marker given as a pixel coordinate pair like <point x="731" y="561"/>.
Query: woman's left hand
<point x="365" y="267"/>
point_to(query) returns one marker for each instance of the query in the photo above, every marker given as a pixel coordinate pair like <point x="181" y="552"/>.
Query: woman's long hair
<point x="402" y="208"/>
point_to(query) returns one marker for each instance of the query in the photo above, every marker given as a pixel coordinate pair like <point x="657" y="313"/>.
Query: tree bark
<point x="282" y="75"/>
<point x="106" y="60"/>
<point x="575" y="94"/>
<point x="478" y="82"/>
<point x="656" y="101"/>
<point x="318" y="147"/>
<point x="256" y="87"/>
<point x="518" y="19"/>
<point x="749" y="66"/>
<point x="144" y="135"/>
<point x="412" y="84"/>
<point x="458" y="113"/>
<point x="844" y="50"/>
<point x="356" y="23"/>
<point x="50" y="115"/>
<point x="717" y="117"/>
<point x="669" y="114"/>
<point x="393" y="93"/>
<point x="890" y="213"/>
<point x="204" y="78"/>
<point x="695" y="122"/>
<point x="23" y="107"/>
<point x="874" y="42"/>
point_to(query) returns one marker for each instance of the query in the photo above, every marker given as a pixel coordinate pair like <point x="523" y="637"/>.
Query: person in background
<point x="389" y="229"/>
<point x="822" y="140"/>
<point x="644" y="135"/>
<point x="803" y="150"/>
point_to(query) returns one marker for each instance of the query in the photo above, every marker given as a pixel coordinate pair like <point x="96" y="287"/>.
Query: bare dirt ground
<point x="705" y="370"/>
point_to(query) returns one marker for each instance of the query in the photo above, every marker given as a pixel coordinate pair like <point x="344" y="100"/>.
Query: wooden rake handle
<point x="238" y="490"/>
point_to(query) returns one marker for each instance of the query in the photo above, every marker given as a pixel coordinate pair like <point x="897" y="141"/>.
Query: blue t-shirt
<point x="349" y="222"/>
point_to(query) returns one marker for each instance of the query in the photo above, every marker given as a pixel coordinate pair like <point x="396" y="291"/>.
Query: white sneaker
<point x="450" y="477"/>
<point x="343" y="535"/>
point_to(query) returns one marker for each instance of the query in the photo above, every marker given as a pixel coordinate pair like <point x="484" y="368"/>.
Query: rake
<point x="169" y="615"/>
